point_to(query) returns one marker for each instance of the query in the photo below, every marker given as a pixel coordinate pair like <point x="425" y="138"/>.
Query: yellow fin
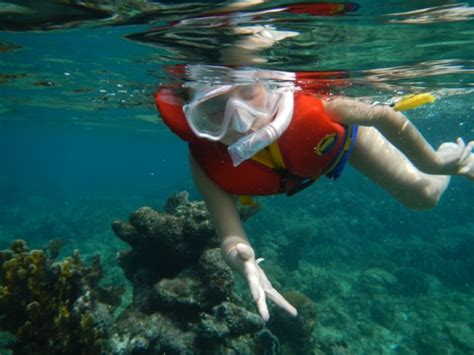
<point x="411" y="101"/>
<point x="247" y="201"/>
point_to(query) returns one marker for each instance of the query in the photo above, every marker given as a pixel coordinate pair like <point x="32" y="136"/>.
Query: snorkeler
<point x="261" y="135"/>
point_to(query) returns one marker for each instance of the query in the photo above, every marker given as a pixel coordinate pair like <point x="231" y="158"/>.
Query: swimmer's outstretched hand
<point x="456" y="158"/>
<point x="241" y="258"/>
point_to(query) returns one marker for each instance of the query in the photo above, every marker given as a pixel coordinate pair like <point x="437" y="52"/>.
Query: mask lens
<point x="210" y="113"/>
<point x="206" y="115"/>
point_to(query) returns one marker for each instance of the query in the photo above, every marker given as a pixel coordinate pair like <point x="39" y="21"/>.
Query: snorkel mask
<point x="204" y="113"/>
<point x="250" y="144"/>
<point x="214" y="111"/>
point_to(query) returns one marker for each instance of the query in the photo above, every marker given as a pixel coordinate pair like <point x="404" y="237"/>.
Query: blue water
<point x="80" y="140"/>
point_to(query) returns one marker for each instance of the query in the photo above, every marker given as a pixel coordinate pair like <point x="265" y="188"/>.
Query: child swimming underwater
<point x="251" y="137"/>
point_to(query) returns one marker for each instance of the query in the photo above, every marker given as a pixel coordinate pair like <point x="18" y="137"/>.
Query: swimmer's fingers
<point x="258" y="294"/>
<point x="467" y="150"/>
<point x="454" y="157"/>
<point x="281" y="302"/>
<point x="242" y="259"/>
<point x="273" y="294"/>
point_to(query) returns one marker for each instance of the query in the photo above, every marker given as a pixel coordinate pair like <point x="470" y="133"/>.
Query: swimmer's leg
<point x="375" y="157"/>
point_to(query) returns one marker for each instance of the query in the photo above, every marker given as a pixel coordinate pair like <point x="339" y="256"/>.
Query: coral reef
<point x="53" y="307"/>
<point x="450" y="256"/>
<point x="184" y="299"/>
<point x="383" y="280"/>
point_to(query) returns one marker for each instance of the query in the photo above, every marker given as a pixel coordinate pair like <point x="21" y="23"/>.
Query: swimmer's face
<point x="255" y="96"/>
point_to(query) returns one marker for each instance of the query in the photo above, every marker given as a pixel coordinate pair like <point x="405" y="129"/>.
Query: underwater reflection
<point x="231" y="37"/>
<point x="50" y="15"/>
<point x="443" y="13"/>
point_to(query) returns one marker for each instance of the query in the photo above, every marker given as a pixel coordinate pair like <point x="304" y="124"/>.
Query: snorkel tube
<point x="247" y="146"/>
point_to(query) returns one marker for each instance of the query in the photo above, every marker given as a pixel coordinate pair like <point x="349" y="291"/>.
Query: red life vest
<point x="311" y="146"/>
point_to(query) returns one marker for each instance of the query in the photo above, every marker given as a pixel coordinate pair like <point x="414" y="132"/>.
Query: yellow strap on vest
<point x="264" y="157"/>
<point x="276" y="155"/>
<point x="270" y="156"/>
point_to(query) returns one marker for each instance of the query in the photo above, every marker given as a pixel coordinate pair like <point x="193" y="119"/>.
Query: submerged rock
<point x="195" y="289"/>
<point x="184" y="299"/>
<point x="296" y="332"/>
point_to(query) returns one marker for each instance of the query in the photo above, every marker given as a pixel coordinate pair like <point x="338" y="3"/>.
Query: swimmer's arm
<point x="235" y="246"/>
<point x="394" y="126"/>
<point x="222" y="210"/>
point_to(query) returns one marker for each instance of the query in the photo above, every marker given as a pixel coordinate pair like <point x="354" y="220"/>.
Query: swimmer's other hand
<point x="456" y="158"/>
<point x="241" y="258"/>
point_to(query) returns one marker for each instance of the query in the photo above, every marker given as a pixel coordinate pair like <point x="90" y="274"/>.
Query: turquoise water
<point x="81" y="144"/>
